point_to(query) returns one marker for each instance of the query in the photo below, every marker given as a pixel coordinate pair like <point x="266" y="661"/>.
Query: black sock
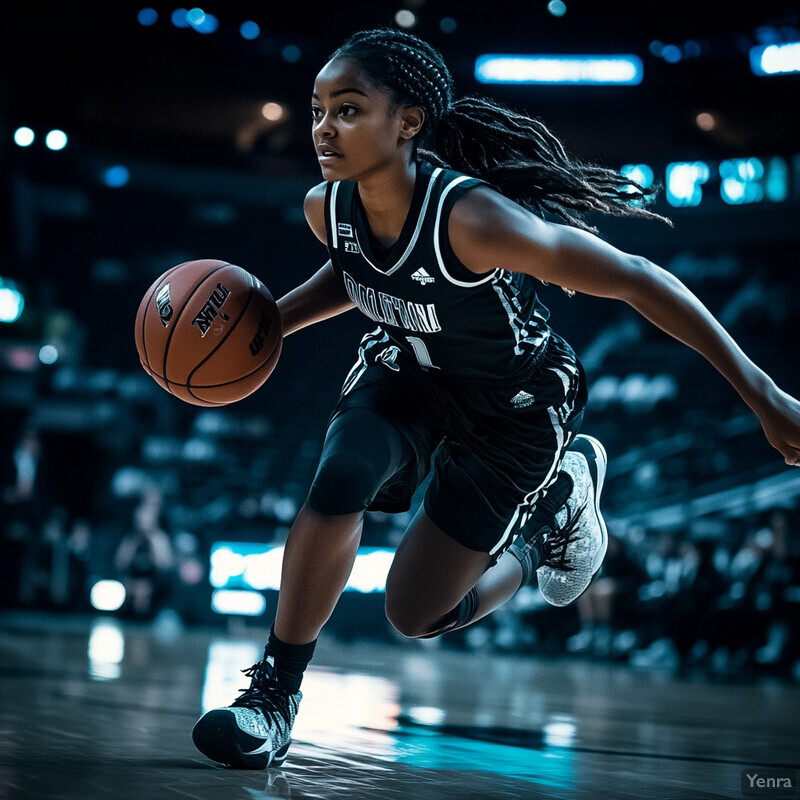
<point x="528" y="547"/>
<point x="291" y="660"/>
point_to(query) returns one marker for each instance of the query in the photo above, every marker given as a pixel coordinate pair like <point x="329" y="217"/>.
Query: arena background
<point x="189" y="138"/>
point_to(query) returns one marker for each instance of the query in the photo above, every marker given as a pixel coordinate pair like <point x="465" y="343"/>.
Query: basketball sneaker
<point x="574" y="549"/>
<point x="255" y="731"/>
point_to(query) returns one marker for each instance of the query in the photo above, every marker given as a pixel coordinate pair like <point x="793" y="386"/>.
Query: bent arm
<point x="322" y="296"/>
<point x="495" y="232"/>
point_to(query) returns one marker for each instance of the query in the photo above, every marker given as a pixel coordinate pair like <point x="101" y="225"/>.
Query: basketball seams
<point x="222" y="341"/>
<point x="154" y="289"/>
<point x="178" y="316"/>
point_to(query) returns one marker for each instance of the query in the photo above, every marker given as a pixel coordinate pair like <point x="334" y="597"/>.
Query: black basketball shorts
<point x="494" y="447"/>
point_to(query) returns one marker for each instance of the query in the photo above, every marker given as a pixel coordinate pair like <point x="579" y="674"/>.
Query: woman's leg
<point x="361" y="452"/>
<point x="319" y="555"/>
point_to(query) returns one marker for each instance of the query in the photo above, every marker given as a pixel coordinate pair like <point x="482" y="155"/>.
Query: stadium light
<point x="775" y="59"/>
<point x="611" y="70"/>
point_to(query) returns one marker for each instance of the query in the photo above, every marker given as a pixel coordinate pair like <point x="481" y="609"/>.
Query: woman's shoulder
<point x="314" y="210"/>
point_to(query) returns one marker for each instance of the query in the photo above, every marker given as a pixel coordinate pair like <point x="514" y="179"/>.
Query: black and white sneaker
<point x="255" y="731"/>
<point x="574" y="550"/>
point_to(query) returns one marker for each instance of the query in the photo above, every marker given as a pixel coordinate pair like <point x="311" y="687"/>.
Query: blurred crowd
<point x="720" y="598"/>
<point x="725" y="605"/>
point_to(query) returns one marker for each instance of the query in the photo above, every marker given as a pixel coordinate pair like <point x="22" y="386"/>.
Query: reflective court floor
<point x="94" y="708"/>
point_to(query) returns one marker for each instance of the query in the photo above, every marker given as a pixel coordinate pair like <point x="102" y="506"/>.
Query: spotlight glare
<point x="107" y="595"/>
<point x="48" y="354"/>
<point x="557" y="8"/>
<point x="56" y="140"/>
<point x="448" y="25"/>
<point x="705" y="121"/>
<point x="405" y="18"/>
<point x="12" y="303"/>
<point x="775" y="59"/>
<point x="272" y="111"/>
<point x="24" y="136"/>
<point x="196" y="16"/>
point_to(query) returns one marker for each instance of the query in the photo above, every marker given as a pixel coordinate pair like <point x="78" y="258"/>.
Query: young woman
<point x="433" y="210"/>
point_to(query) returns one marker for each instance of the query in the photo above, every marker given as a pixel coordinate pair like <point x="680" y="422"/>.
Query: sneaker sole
<point x="597" y="462"/>
<point x="217" y="736"/>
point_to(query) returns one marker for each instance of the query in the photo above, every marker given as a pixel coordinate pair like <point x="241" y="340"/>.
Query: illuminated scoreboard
<point x="737" y="181"/>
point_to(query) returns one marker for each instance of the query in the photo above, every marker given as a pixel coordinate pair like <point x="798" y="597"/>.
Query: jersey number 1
<point x="421" y="352"/>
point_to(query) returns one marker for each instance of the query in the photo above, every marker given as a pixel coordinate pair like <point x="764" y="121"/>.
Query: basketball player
<point x="431" y="208"/>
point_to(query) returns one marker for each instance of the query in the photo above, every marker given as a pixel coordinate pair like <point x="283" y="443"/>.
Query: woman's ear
<point x="411" y="121"/>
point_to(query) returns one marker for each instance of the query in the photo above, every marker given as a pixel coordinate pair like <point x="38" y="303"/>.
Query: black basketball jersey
<point x="426" y="301"/>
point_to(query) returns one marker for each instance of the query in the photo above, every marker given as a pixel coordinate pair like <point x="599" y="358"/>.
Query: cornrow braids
<point x="514" y="152"/>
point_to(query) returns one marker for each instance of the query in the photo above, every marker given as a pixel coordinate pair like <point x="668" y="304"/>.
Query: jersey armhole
<point x="450" y="265"/>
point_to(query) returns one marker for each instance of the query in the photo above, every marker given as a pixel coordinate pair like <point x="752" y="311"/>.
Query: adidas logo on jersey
<point x="522" y="400"/>
<point x="422" y="276"/>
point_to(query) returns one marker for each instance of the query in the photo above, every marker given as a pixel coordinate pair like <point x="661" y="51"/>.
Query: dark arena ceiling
<point x="163" y="92"/>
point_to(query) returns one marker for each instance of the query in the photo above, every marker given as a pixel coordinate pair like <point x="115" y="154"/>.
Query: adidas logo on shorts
<point x="422" y="276"/>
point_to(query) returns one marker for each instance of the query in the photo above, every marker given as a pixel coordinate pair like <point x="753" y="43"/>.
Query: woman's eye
<point x="346" y="111"/>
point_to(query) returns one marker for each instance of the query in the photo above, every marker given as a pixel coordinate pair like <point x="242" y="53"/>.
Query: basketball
<point x="208" y="332"/>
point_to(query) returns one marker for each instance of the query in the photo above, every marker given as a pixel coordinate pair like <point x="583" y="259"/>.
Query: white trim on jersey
<point x="467" y="284"/>
<point x="524" y="509"/>
<point x="512" y="308"/>
<point x="378" y="336"/>
<point x="334" y="226"/>
<point x="420" y="220"/>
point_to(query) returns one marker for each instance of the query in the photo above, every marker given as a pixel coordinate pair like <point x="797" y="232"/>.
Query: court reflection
<point x="359" y="733"/>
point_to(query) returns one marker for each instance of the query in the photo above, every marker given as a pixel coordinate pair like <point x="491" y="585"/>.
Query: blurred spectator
<point x="604" y="609"/>
<point x="145" y="560"/>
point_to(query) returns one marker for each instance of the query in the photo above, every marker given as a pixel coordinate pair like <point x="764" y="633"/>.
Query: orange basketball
<point x="208" y="332"/>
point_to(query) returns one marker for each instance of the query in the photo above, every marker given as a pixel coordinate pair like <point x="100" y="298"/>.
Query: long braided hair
<point x="514" y="152"/>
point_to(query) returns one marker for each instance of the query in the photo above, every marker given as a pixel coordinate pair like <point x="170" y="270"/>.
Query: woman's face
<point x="356" y="130"/>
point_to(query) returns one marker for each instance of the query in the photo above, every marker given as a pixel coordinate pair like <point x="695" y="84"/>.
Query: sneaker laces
<point x="556" y="543"/>
<point x="265" y="693"/>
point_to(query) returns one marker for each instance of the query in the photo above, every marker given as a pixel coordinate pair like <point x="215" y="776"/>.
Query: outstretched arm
<point x="490" y="231"/>
<point x="322" y="296"/>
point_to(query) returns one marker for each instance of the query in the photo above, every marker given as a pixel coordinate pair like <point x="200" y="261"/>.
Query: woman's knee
<point x="345" y="483"/>
<point x="410" y="621"/>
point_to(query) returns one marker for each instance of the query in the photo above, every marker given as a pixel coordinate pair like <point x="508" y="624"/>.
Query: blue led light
<point x="116" y="176"/>
<point x="671" y="53"/>
<point x="685" y="181"/>
<point x="180" y="18"/>
<point x="777" y="181"/>
<point x="147" y="16"/>
<point x="741" y="180"/>
<point x="291" y="53"/>
<point x="249" y="30"/>
<point x="554" y="69"/>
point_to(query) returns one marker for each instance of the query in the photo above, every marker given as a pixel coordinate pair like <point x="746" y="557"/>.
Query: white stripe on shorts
<point x="524" y="509"/>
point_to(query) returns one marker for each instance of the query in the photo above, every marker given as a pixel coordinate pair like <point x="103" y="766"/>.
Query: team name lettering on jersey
<point x="391" y="310"/>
